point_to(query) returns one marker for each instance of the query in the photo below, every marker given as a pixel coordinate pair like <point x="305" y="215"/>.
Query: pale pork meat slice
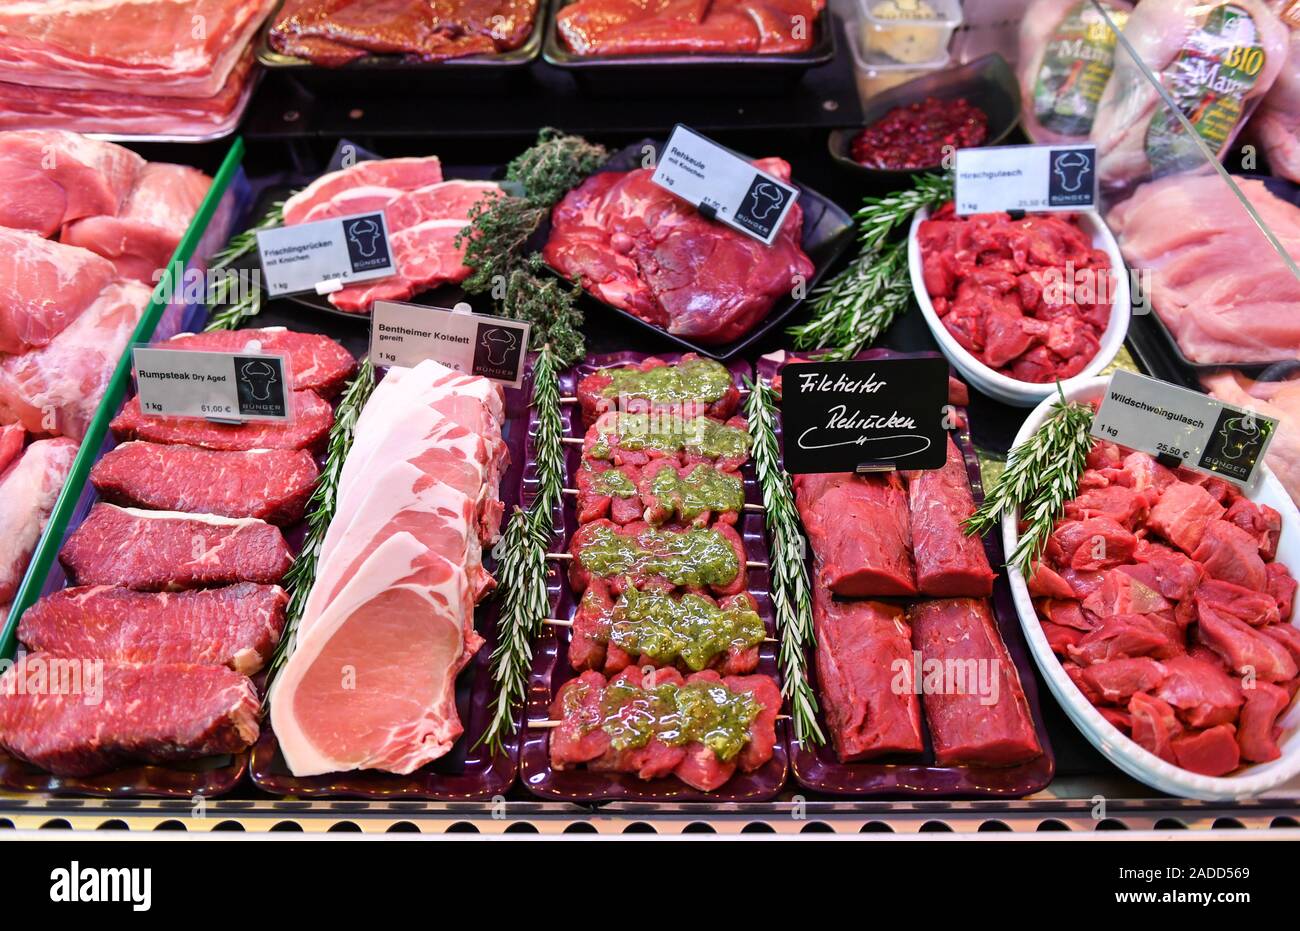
<point x="44" y="286"/>
<point x="172" y="48"/>
<point x="371" y="685"/>
<point x="140" y="239"/>
<point x="1214" y="279"/>
<point x="28" y="490"/>
<point x="12" y="437"/>
<point x="423" y="226"/>
<point x="56" y="388"/>
<point x="381" y="180"/>
<point x="49" y="178"/>
<point x="401" y="499"/>
<point x="1159" y="30"/>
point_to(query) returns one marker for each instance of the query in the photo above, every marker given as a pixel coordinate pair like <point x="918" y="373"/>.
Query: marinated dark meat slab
<point x="317" y="363"/>
<point x="683" y="27"/>
<point x="858" y="529"/>
<point x="269" y="484"/>
<point x="161" y="550"/>
<point x="638" y="247"/>
<point x="636" y="439"/>
<point x="863" y="647"/>
<point x="330" y="33"/>
<point x="654" y="724"/>
<point x="655" y="628"/>
<point x="978" y="715"/>
<point x="949" y="562"/>
<point x="236" y="626"/>
<point x="312" y="419"/>
<point x="691" y="386"/>
<point x="156" y="712"/>
<point x="637" y="554"/>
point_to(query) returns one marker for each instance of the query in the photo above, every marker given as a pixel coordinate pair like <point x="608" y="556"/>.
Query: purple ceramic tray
<point x="470" y="772"/>
<point x="551" y="667"/>
<point x="819" y="769"/>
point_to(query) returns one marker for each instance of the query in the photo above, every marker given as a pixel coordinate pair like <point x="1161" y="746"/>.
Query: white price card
<point x="1178" y="424"/>
<point x="1032" y="178"/>
<point x="325" y="255"/>
<point x="475" y="344"/>
<point x="225" y="386"/>
<point x="724" y="186"/>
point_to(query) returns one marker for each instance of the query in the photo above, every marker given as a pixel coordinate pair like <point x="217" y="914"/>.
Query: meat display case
<point x="290" y="132"/>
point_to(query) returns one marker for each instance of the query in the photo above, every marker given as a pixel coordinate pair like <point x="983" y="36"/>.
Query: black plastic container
<point x="471" y="74"/>
<point x="706" y="74"/>
<point x="988" y="83"/>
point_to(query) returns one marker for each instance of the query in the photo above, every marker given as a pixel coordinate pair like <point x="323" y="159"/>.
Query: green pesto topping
<point x="612" y="482"/>
<point x="697" y="557"/>
<point x="701" y="489"/>
<point x="690" y="380"/>
<point x="671" y="434"/>
<point x="704" y="712"/>
<point x="693" y="629"/>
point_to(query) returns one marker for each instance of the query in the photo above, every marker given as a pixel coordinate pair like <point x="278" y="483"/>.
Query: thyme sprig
<point x="521" y="558"/>
<point x="1042" y="473"/>
<point x="320" y="509"/>
<point x="496" y="242"/>
<point x="225" y="313"/>
<point x="791" y="591"/>
<point x="851" y="310"/>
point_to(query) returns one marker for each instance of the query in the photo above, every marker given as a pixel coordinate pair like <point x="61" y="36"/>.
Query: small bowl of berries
<point x="912" y="127"/>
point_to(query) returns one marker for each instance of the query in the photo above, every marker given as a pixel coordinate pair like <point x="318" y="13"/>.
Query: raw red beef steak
<point x="161" y="550"/>
<point x="312" y="418"/>
<point x="269" y="484"/>
<point x="236" y="626"/>
<point x="316" y="362"/>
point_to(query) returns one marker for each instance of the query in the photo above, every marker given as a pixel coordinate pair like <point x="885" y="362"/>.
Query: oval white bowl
<point x="1141" y="764"/>
<point x="1003" y="387"/>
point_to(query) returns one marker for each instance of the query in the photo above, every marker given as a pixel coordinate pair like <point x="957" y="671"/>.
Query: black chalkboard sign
<point x="842" y="416"/>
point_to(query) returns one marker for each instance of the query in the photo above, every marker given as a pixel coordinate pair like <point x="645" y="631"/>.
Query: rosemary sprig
<point x="521" y="558"/>
<point x="791" y="592"/>
<point x="227" y="314"/>
<point x="320" y="508"/>
<point x="852" y="309"/>
<point x="1041" y="475"/>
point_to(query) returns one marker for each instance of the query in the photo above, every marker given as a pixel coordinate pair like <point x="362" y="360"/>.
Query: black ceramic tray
<point x="473" y="72"/>
<point x="827" y="231"/>
<point x="988" y="83"/>
<point x="705" y="74"/>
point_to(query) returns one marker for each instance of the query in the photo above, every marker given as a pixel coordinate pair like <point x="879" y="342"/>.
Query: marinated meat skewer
<point x="640" y="555"/>
<point x="660" y="492"/>
<point x="656" y="628"/>
<point x="691" y="387"/>
<point x="701" y="729"/>
<point x="636" y="439"/>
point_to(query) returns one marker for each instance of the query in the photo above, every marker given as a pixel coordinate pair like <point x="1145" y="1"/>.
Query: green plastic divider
<point x="48" y="546"/>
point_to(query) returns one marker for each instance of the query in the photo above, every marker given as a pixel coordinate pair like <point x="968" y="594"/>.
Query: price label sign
<point x="724" y="186"/>
<point x="1030" y="178"/>
<point x="1184" y="427"/>
<point x="325" y="255"/>
<point x="475" y="344"/>
<point x="222" y="386"/>
<point x="868" y="416"/>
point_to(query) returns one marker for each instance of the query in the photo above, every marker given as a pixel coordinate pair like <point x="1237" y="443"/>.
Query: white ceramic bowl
<point x="1003" y="387"/>
<point x="1141" y="764"/>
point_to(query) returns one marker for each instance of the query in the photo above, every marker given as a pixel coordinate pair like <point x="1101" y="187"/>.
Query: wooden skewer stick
<point x="548" y="725"/>
<point x="568" y="557"/>
<point x="558" y="622"/>
<point x="748" y="507"/>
